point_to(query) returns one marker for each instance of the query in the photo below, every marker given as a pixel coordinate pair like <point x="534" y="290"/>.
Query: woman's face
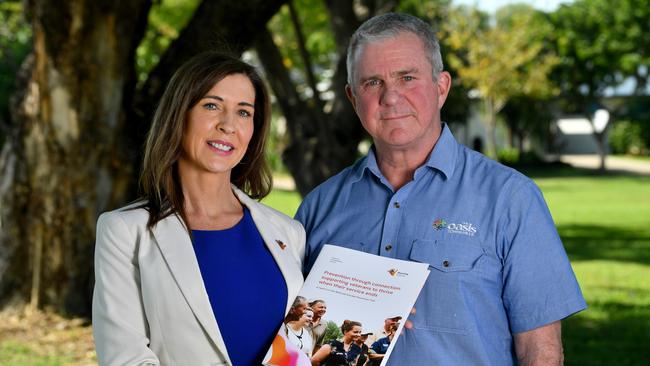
<point x="353" y="333"/>
<point x="220" y="126"/>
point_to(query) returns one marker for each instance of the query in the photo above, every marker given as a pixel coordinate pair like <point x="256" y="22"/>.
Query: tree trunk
<point x="601" y="144"/>
<point x="63" y="162"/>
<point x="491" y="129"/>
<point x="323" y="141"/>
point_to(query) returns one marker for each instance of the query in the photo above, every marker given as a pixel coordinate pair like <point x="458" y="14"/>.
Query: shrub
<point x="626" y="138"/>
<point x="508" y="156"/>
<point x="332" y="332"/>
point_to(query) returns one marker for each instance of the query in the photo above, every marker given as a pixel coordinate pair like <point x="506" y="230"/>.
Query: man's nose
<point x="390" y="95"/>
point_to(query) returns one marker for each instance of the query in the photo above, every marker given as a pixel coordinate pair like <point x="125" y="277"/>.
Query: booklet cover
<point x="356" y="286"/>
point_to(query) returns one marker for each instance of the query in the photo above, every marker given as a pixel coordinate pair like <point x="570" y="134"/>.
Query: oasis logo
<point x="464" y="228"/>
<point x="439" y="224"/>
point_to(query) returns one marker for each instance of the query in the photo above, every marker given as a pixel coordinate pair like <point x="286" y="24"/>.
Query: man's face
<point x="320" y="309"/>
<point x="395" y="96"/>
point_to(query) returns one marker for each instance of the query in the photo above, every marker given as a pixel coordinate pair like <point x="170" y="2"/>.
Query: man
<point x="318" y="325"/>
<point x="389" y="327"/>
<point x="378" y="349"/>
<point x="500" y="280"/>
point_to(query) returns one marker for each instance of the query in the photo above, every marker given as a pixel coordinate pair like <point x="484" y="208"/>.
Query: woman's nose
<point x="225" y="124"/>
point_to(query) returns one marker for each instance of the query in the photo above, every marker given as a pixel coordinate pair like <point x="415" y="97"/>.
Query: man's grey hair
<point x="390" y="25"/>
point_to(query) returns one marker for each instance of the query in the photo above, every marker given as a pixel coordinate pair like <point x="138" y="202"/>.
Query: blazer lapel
<point x="176" y="247"/>
<point x="276" y="241"/>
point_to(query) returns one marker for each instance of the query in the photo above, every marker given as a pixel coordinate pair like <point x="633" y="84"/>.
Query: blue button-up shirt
<point x="497" y="264"/>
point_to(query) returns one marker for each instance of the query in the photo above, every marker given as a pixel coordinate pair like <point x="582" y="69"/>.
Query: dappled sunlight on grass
<point x="615" y="328"/>
<point x="604" y="222"/>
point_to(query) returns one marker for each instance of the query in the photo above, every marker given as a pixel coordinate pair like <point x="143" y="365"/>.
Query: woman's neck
<point x="296" y="325"/>
<point x="209" y="202"/>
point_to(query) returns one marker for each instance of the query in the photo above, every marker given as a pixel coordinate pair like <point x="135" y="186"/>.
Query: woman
<point x="176" y="271"/>
<point x="343" y="352"/>
<point x="298" y="334"/>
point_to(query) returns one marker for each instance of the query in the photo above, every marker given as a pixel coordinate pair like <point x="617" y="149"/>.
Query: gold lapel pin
<point x="281" y="244"/>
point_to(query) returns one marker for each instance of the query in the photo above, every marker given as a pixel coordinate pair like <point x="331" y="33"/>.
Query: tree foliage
<point x="500" y="58"/>
<point x="15" y="38"/>
<point x="601" y="44"/>
<point x="332" y="332"/>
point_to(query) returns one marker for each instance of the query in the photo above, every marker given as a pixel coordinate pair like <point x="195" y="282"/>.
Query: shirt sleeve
<point x="304" y="217"/>
<point x="539" y="284"/>
<point x="120" y="327"/>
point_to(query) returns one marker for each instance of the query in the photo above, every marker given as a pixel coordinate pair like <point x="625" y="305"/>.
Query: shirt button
<point x="445" y="263"/>
<point x="388" y="247"/>
<point x="396" y="204"/>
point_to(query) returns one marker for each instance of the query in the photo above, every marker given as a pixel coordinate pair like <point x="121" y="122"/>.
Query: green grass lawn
<point x="604" y="222"/>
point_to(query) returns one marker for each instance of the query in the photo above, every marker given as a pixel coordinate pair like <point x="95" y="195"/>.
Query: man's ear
<point x="350" y="94"/>
<point x="444" y="85"/>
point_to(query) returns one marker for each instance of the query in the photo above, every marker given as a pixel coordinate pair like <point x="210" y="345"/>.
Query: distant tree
<point x="332" y="332"/>
<point x="602" y="44"/>
<point x="500" y="58"/>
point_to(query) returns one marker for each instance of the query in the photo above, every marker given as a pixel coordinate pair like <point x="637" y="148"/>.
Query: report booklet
<point x="356" y="286"/>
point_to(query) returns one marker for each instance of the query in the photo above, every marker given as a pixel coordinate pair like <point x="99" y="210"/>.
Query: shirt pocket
<point x="441" y="306"/>
<point x="447" y="255"/>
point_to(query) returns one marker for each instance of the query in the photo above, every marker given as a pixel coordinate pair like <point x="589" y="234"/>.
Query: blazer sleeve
<point x="120" y="326"/>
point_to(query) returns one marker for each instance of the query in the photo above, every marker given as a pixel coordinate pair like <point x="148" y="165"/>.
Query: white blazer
<point x="150" y="306"/>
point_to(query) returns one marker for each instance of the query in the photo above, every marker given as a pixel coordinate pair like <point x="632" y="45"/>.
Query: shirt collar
<point x="442" y="157"/>
<point x="444" y="153"/>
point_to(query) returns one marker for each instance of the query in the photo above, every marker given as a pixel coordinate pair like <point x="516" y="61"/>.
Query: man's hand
<point x="409" y="324"/>
<point x="541" y="346"/>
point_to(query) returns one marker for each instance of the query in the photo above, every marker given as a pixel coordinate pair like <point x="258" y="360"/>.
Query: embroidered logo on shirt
<point x="439" y="224"/>
<point x="281" y="244"/>
<point x="464" y="228"/>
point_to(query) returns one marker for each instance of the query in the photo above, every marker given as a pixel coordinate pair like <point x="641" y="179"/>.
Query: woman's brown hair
<point x="159" y="181"/>
<point x="348" y="325"/>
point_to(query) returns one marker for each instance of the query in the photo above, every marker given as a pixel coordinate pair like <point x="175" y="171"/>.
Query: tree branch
<point x="306" y="59"/>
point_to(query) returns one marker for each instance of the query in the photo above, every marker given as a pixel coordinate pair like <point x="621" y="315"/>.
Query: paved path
<point x="616" y="163"/>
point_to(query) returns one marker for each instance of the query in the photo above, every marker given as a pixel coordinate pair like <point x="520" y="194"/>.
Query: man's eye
<point x="373" y="82"/>
<point x="408" y="78"/>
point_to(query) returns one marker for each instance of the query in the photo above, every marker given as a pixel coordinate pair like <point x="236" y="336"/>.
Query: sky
<point x="492" y="5"/>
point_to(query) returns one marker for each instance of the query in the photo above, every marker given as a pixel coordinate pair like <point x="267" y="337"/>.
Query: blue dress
<point x="246" y="289"/>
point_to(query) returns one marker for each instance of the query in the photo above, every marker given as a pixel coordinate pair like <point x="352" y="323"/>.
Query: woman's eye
<point x="245" y="113"/>
<point x="211" y="106"/>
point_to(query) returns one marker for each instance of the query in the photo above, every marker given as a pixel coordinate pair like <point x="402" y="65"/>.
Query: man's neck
<point x="398" y="166"/>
